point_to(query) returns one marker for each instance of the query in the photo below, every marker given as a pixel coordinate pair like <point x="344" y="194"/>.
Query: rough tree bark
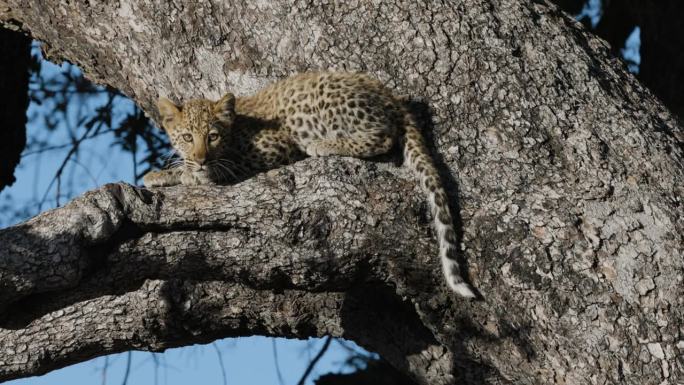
<point x="566" y="172"/>
<point x="15" y="54"/>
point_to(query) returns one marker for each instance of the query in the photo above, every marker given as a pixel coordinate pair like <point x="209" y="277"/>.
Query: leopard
<point x="314" y="114"/>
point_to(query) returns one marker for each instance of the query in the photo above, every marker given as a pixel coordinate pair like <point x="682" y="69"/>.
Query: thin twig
<point x="156" y="368"/>
<point x="64" y="145"/>
<point x="320" y="354"/>
<point x="58" y="190"/>
<point x="104" y="370"/>
<point x="72" y="151"/>
<point x="128" y="367"/>
<point x="87" y="171"/>
<point x="277" y="366"/>
<point x="220" y="358"/>
<point x="134" y="153"/>
<point x="166" y="370"/>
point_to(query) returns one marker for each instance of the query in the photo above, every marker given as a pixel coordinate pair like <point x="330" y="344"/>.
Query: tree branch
<point x="314" y="361"/>
<point x="137" y="258"/>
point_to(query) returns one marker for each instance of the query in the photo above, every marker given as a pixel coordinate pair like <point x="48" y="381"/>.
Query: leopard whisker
<point x="170" y="154"/>
<point x="174" y="164"/>
<point x="234" y="169"/>
<point x="222" y="173"/>
<point x="191" y="164"/>
<point x="226" y="168"/>
<point x="233" y="165"/>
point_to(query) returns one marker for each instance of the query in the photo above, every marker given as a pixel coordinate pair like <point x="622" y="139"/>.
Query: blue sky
<point x="247" y="360"/>
<point x="631" y="51"/>
<point x="592" y="10"/>
<point x="96" y="163"/>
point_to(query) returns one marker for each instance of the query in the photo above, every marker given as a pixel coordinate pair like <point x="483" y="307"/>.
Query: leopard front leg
<point x="162" y="178"/>
<point x="190" y="178"/>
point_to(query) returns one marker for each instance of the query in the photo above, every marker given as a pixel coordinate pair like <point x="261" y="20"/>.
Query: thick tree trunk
<point x="569" y="181"/>
<point x="15" y="54"/>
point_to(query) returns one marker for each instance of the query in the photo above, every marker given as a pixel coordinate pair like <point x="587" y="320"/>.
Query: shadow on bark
<point x="376" y="373"/>
<point x="15" y="51"/>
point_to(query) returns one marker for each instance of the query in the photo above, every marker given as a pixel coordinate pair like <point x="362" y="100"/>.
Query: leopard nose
<point x="201" y="160"/>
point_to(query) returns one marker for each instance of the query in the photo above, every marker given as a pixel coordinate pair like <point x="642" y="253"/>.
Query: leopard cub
<point x="310" y="114"/>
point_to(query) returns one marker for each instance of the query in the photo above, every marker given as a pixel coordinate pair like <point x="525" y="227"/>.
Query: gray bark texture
<point x="566" y="173"/>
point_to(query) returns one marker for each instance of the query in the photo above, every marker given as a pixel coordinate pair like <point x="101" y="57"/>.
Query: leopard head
<point x="199" y="131"/>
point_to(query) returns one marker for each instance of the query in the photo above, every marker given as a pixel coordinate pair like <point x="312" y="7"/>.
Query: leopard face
<point x="199" y="132"/>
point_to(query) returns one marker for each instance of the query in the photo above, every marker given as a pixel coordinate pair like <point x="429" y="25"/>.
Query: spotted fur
<point x="314" y="114"/>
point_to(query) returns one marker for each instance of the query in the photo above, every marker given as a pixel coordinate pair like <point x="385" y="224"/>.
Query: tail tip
<point x="463" y="289"/>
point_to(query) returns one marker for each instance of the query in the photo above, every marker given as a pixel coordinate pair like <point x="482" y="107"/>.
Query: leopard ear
<point x="224" y="109"/>
<point x="168" y="111"/>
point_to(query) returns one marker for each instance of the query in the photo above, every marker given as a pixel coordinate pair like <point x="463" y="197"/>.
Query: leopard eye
<point x="213" y="137"/>
<point x="187" y="137"/>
